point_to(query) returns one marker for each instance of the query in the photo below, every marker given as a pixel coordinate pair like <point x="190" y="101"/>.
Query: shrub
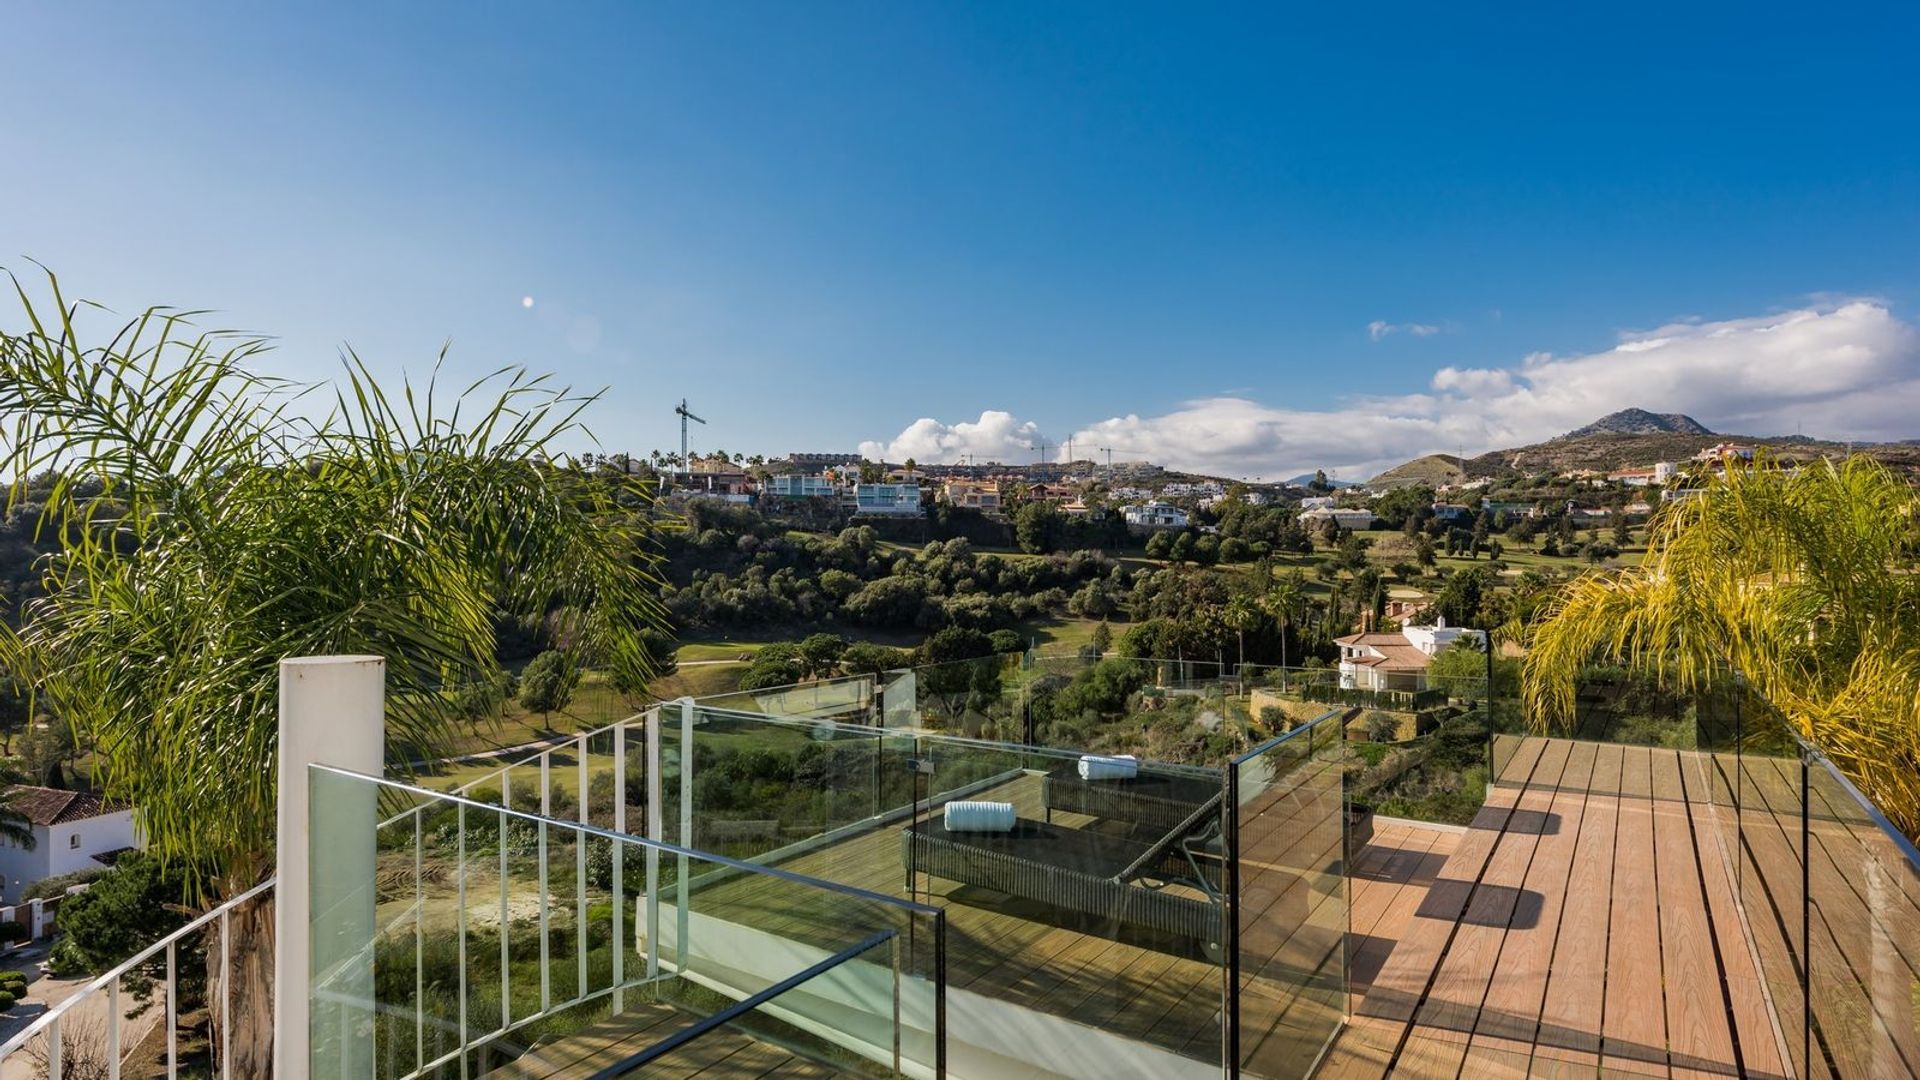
<point x="57" y="885"/>
<point x="6" y="1000"/>
<point x="132" y="906"/>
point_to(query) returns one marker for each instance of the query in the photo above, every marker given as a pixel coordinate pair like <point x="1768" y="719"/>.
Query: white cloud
<point x="1850" y="370"/>
<point x="1380" y="328"/>
<point x="996" y="436"/>
<point x="1846" y="370"/>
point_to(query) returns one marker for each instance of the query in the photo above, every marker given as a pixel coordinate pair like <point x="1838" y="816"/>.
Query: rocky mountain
<point x="1641" y="422"/>
<point x="1631" y="438"/>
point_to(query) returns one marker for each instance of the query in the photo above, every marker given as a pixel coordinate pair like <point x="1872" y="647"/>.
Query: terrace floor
<point x="1015" y="951"/>
<point x="1584" y="924"/>
<point x="717" y="1055"/>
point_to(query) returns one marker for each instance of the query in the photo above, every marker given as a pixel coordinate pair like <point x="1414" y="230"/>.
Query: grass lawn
<point x="1065" y="635"/>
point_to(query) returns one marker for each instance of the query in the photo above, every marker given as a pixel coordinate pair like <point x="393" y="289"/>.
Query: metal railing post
<point x="656" y="829"/>
<point x="419" y="942"/>
<point x="173" y="1015"/>
<point x="546" y="811"/>
<point x="580" y="876"/>
<point x="619" y="868"/>
<point x="506" y="995"/>
<point x="686" y="824"/>
<point x="113" y="1031"/>
<point x="460" y="918"/>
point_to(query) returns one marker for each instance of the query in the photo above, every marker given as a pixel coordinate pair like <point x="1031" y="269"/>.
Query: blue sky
<point x="1146" y="227"/>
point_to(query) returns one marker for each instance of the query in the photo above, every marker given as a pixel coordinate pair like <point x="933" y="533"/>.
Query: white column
<point x="332" y="712"/>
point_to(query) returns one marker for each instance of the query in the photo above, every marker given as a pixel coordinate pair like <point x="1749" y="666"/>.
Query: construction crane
<point x="1108" y="450"/>
<point x="684" y="415"/>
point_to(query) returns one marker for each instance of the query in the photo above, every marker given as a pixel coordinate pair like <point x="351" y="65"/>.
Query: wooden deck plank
<point x="1635" y="1026"/>
<point x="1699" y="1038"/>
<point x="1574" y="1005"/>
<point x="1451" y="1009"/>
<point x="1756" y="1030"/>
<point x="1402" y="980"/>
<point x="1503" y="1035"/>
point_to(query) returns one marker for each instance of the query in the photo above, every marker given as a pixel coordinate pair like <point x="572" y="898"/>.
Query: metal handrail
<point x="49" y="1021"/>
<point x="639" y="841"/>
<point x="743" y="1006"/>
<point x="429" y="799"/>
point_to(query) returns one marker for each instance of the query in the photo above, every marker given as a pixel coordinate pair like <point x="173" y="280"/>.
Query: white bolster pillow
<point x="1097" y="767"/>
<point x="979" y="817"/>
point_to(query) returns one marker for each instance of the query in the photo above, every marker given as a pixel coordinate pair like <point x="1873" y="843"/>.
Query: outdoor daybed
<point x="1151" y="798"/>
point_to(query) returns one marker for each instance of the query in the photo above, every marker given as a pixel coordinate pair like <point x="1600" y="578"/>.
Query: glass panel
<point x="452" y="929"/>
<point x="779" y="1036"/>
<point x="1100" y="904"/>
<point x="1289" y="859"/>
<point x="1864" y="886"/>
<point x="1769" y="811"/>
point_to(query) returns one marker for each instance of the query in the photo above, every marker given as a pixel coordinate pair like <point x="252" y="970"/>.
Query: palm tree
<point x="1242" y="614"/>
<point x="208" y="530"/>
<point x="15" y="827"/>
<point x="1285" y="601"/>
<point x="1800" y="580"/>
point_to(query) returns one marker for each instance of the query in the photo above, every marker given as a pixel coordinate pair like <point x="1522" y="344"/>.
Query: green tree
<point x="820" y="654"/>
<point x="1159" y="545"/>
<point x="1242" y="614"/>
<point x="140" y="900"/>
<point x="774" y="665"/>
<point x="1182" y="549"/>
<point x="866" y="658"/>
<point x="207" y="531"/>
<point x="1286" y="602"/>
<point x="1459" y="600"/>
<point x="15" y="710"/>
<point x="16" y="828"/>
<point x="1102" y="639"/>
<point x="1423" y="552"/>
<point x="1799" y="579"/>
<point x="1038" y="527"/>
<point x="548" y="683"/>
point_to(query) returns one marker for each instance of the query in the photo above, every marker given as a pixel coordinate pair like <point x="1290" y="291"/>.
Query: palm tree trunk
<point x="244" y="1028"/>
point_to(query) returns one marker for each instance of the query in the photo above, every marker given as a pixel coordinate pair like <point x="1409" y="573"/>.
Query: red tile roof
<point x="52" y="806"/>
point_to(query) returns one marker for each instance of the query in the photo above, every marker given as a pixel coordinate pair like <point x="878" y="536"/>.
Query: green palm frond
<point x="1802" y="580"/>
<point x="208" y="531"/>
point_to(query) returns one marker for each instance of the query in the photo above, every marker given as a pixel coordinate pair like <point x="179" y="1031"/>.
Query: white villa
<point x="1346" y="519"/>
<point x="1155" y="515"/>
<point x="1397" y="661"/>
<point x="72" y="830"/>
<point x="801" y="486"/>
<point x="890" y="500"/>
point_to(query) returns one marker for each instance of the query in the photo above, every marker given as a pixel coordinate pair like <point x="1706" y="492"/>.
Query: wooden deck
<point x="1012" y="950"/>
<point x="1584" y="925"/>
<point x="718" y="1055"/>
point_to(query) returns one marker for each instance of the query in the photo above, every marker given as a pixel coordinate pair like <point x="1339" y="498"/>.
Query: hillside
<point x="1598" y="447"/>
<point x="1640" y="422"/>
<point x="1434" y="470"/>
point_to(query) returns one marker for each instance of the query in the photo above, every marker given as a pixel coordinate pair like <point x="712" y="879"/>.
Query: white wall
<point x="107" y="832"/>
<point x="55" y="853"/>
<point x="22" y="867"/>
